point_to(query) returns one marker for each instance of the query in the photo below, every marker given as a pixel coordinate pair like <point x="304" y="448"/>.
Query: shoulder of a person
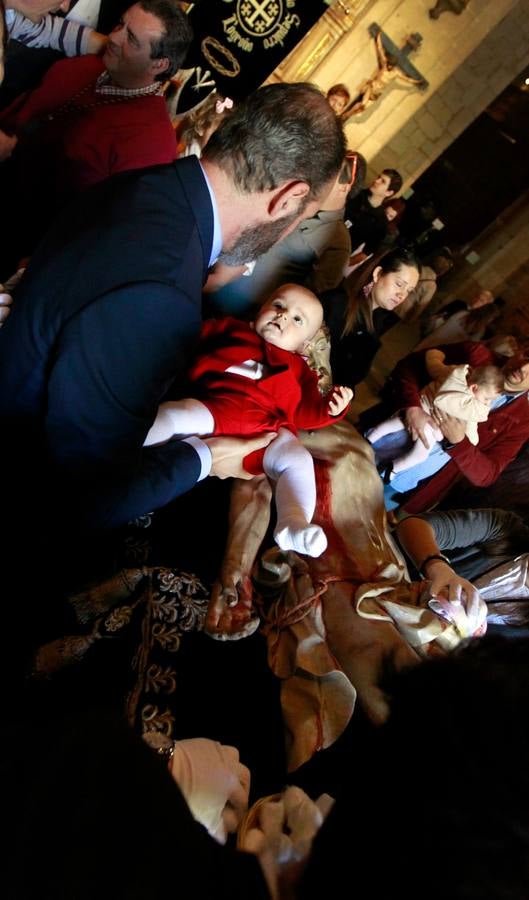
<point x="90" y="63"/>
<point x="427" y="273"/>
<point x="516" y="411"/>
<point x="333" y="231"/>
<point x="227" y="324"/>
<point x="476" y="353"/>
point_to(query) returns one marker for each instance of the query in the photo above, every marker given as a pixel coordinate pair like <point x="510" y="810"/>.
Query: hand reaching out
<point x="340" y="399"/>
<point x="227" y="454"/>
<point x="280" y="830"/>
<point x="454" y="429"/>
<point x="231" y="614"/>
<point x="416" y="421"/>
<point x="447" y="584"/>
<point x="214" y="783"/>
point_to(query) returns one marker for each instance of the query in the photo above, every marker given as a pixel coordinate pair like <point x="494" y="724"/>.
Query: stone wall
<point x="473" y="58"/>
<point x="467" y="59"/>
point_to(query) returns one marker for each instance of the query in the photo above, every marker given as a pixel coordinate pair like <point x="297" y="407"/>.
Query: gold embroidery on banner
<point x="118" y="618"/>
<point x="158" y="679"/>
<point x="168" y="638"/>
<point x="214" y="44"/>
<point x="154" y="720"/>
<point x="259" y="17"/>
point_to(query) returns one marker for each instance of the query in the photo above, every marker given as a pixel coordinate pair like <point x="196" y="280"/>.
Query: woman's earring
<point x="367" y="288"/>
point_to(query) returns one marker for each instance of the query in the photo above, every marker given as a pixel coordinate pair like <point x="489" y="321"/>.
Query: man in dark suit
<point x="106" y="314"/>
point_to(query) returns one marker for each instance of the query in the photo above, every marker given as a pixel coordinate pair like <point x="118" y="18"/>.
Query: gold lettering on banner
<point x="209" y="44"/>
<point x="252" y="19"/>
<point x="234" y="36"/>
<point x="282" y="31"/>
<point x="264" y="19"/>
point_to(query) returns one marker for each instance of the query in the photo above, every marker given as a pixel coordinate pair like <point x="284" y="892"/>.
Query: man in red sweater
<point x="501" y="437"/>
<point x="92" y="117"/>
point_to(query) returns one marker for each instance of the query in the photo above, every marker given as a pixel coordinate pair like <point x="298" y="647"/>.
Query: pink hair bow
<point x="221" y="105"/>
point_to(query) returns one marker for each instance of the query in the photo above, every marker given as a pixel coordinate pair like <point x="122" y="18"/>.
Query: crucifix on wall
<point x="393" y="65"/>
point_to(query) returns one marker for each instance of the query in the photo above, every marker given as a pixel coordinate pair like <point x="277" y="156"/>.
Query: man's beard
<point x="253" y="242"/>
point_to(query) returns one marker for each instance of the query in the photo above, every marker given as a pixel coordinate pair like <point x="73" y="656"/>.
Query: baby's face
<point x="290" y="318"/>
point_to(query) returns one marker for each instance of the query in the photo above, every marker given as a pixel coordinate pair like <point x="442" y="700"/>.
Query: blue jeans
<point x="393" y="445"/>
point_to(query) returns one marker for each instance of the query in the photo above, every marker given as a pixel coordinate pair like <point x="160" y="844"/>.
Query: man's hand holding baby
<point x="340" y="399"/>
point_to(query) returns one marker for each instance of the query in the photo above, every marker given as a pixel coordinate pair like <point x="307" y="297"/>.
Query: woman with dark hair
<point x="394" y="209"/>
<point x="359" y="312"/>
<point x="433" y="268"/>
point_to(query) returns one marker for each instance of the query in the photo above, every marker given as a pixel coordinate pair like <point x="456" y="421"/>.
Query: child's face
<point x="486" y="393"/>
<point x="337" y="102"/>
<point x="290" y="318"/>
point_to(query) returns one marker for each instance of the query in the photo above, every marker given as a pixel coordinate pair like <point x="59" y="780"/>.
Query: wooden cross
<point x="412" y="42"/>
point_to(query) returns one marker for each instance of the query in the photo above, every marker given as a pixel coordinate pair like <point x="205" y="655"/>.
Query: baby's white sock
<point x="300" y="537"/>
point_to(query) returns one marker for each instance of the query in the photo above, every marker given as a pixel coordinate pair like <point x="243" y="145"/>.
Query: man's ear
<point x="389" y="194"/>
<point x="160" y="65"/>
<point x="287" y="198"/>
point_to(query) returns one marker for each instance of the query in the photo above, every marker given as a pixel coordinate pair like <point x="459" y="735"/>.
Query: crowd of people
<point x="194" y="291"/>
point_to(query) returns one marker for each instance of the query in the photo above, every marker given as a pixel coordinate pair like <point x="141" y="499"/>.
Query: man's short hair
<point x="395" y="179"/>
<point x="339" y="89"/>
<point x="281" y="132"/>
<point x="177" y="34"/>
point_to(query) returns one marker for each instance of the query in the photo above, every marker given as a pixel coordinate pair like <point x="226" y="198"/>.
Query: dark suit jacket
<point x="101" y="326"/>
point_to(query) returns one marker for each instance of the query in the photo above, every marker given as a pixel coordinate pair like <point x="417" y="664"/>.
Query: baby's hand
<point x="341" y="397"/>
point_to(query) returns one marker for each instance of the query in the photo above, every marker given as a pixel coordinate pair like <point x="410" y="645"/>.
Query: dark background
<point x="478" y="176"/>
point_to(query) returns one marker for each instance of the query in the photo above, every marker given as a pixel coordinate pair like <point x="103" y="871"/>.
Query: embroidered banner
<point x="238" y="43"/>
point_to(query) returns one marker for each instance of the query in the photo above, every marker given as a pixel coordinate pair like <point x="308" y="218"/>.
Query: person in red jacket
<point x="92" y="117"/>
<point x="501" y="437"/>
<point x="252" y="378"/>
